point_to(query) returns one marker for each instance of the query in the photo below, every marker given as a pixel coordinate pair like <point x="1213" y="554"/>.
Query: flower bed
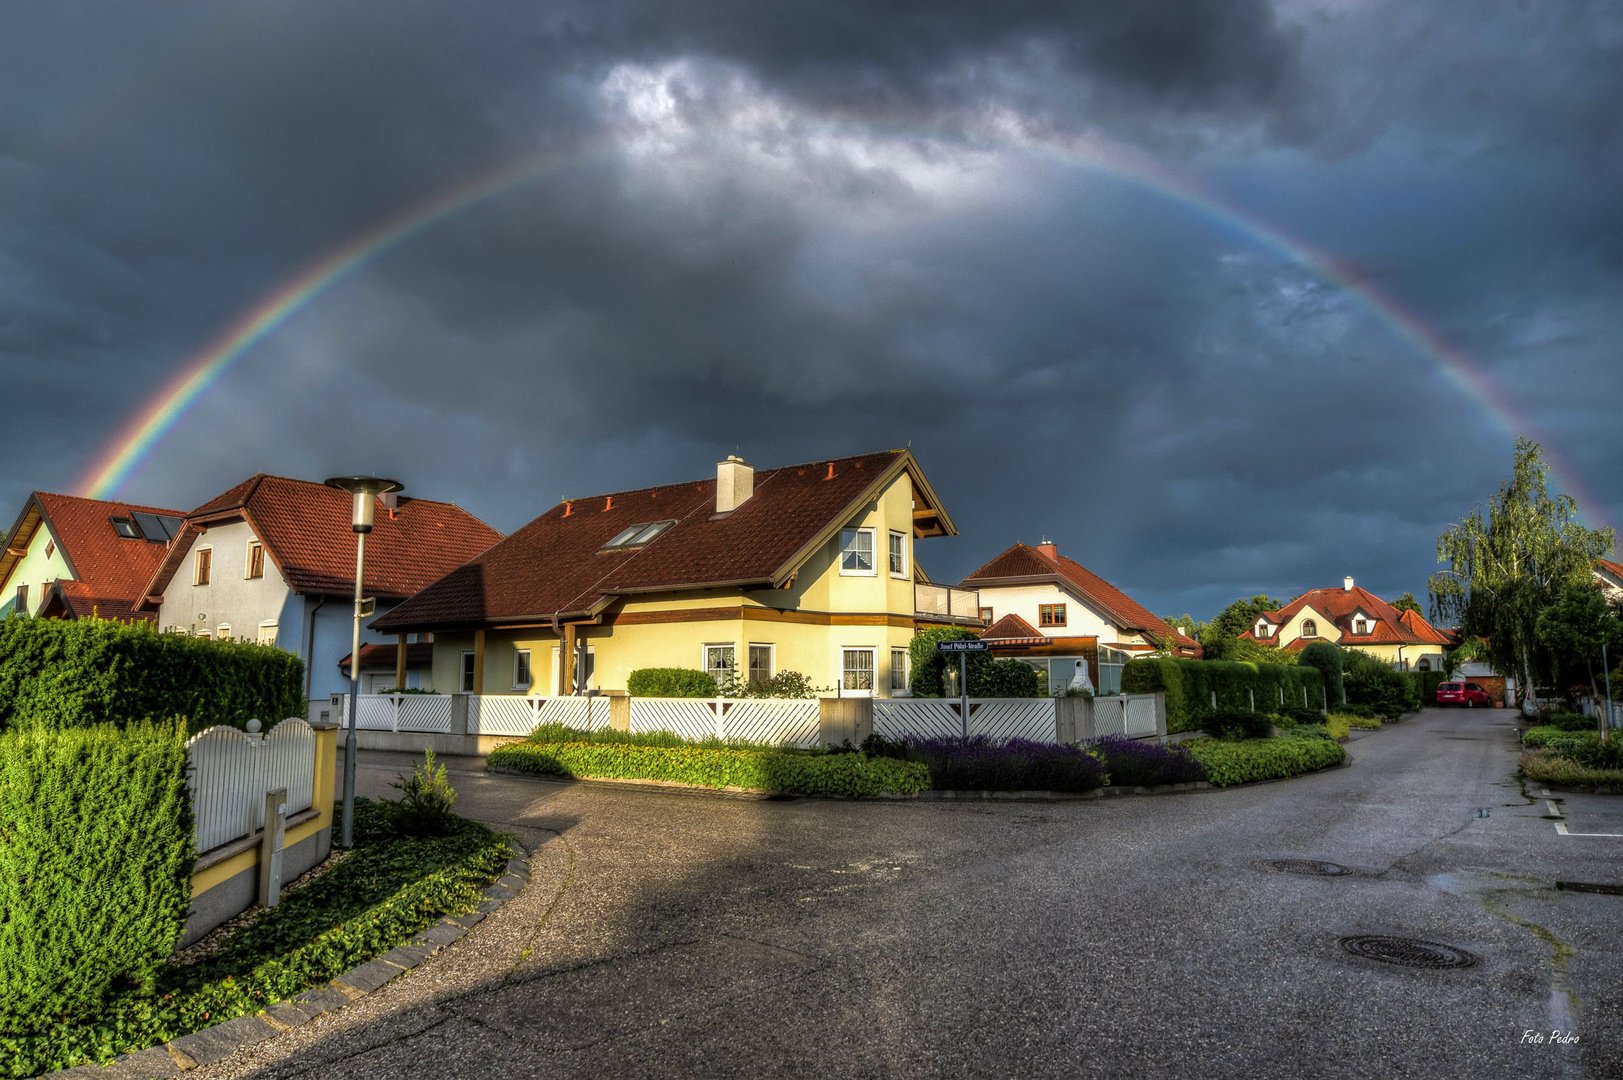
<point x="1131" y="763"/>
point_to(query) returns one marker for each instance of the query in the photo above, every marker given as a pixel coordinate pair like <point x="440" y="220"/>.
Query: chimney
<point x="1346" y="584"/>
<point x="1047" y="547"/>
<point x="735" y="482"/>
<point x="391" y="503"/>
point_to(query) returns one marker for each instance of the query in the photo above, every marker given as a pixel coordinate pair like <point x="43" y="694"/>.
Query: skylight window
<point x="637" y="535"/>
<point x="126" y="528"/>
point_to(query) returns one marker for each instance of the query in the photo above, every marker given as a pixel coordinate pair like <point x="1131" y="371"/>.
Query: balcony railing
<point x="946" y="602"/>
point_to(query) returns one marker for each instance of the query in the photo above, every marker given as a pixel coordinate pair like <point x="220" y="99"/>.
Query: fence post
<point x="270" y="847"/>
<point x="1065" y="715"/>
<point x="1304" y="697"/>
<point x="1214" y="701"/>
<point x="1253" y="692"/>
<point x="619" y="710"/>
<point x="1325" y="696"/>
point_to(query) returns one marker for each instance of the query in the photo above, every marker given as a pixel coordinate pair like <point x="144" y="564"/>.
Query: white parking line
<point x="1561" y="827"/>
<point x="1555" y="811"/>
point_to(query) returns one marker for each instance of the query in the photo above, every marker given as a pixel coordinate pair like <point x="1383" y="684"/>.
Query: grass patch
<point x="793" y="772"/>
<point x="384" y="891"/>
<point x="1352" y="720"/>
<point x="1553" y="767"/>
<point x="1242" y="761"/>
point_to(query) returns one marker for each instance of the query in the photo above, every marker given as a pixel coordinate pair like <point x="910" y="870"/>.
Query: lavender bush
<point x="979" y="763"/>
<point x="1131" y="763"/>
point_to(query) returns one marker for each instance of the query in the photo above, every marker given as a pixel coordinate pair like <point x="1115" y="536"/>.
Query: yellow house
<point x="72" y="557"/>
<point x="1353" y="618"/>
<point x="807" y="568"/>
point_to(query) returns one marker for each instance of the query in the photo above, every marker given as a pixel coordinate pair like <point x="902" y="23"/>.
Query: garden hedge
<point x="672" y="682"/>
<point x="783" y="771"/>
<point x="1189" y="684"/>
<point x="96" y="854"/>
<point x="1242" y="761"/>
<point x="1373" y="682"/>
<point x="60" y="673"/>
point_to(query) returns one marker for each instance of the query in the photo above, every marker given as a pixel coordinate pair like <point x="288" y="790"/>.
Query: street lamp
<point x="364" y="490"/>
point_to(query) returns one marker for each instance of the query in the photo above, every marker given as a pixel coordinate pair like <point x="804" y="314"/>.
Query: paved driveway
<point x="667" y="934"/>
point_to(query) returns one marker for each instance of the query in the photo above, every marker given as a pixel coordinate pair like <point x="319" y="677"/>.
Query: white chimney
<point x="1346" y="584"/>
<point x="735" y="482"/>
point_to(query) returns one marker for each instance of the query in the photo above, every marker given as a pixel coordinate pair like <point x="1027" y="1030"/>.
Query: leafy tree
<point x="1508" y="564"/>
<point x="1220" y="638"/>
<point x="1407" y="602"/>
<point x="1572" y="631"/>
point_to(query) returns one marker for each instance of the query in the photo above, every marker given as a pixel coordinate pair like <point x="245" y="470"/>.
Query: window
<point x="760" y="663"/>
<point x="1310" y="628"/>
<point x="856" y="551"/>
<point x="636" y="535"/>
<point x="856" y="671"/>
<point x="1424" y="664"/>
<point x="50" y="548"/>
<point x="200" y="569"/>
<point x="898" y="554"/>
<point x="466" y="682"/>
<point x="126" y="528"/>
<point x="898" y="671"/>
<point x="1262" y="628"/>
<point x="1050" y="614"/>
<point x="720" y="661"/>
<point x="986" y="616"/>
<point x="521" y="669"/>
<point x="256" y="559"/>
<point x="1360" y="625"/>
<point x="583" y="675"/>
<point x="204" y="633"/>
<point x="223" y="631"/>
<point x="22" y="599"/>
<point x="267" y="633"/>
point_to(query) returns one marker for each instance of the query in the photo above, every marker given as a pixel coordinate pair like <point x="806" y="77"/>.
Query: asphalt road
<point x="667" y="934"/>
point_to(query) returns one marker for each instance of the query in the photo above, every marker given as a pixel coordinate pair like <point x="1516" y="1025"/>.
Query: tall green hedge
<point x="58" y="674"/>
<point x="96" y="853"/>
<point x="1326" y="656"/>
<point x="1189" y="684"/>
<point x="672" y="682"/>
<point x="929" y="666"/>
<point x="1373" y="682"/>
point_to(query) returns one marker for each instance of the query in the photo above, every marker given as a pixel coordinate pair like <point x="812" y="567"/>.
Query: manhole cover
<point x="1312" y="867"/>
<point x="1407" y="952"/>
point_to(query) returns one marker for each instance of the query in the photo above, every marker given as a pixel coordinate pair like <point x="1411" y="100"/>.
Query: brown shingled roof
<point x="1012" y="629"/>
<point x="305" y="528"/>
<point x="111" y="568"/>
<point x="555" y="565"/>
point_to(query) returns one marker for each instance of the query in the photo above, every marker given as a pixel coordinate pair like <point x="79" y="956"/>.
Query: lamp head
<point x="364" y="489"/>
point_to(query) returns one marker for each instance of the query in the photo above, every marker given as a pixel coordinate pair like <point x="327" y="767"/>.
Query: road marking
<point x="1555" y="811"/>
<point x="1561" y="827"/>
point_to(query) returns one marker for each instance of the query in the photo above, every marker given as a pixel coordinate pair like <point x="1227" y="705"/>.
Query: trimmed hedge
<point x="672" y="682"/>
<point x="96" y="854"/>
<point x="1189" y="684"/>
<point x="782" y="771"/>
<point x="1228" y="762"/>
<point x="60" y="674"/>
<point x="1373" y="682"/>
<point x="1237" y="724"/>
<point x="929" y="666"/>
<point x="1326" y="657"/>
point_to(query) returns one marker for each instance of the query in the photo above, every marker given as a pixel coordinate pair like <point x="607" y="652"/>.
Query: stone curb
<point x="216" y="1043"/>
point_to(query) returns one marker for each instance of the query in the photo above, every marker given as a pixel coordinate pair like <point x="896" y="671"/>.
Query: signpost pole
<point x="963" y="691"/>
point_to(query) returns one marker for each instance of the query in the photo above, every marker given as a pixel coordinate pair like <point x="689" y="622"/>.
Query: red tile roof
<point x="109" y="567"/>
<point x="1012" y="629"/>
<point x="75" y="599"/>
<point x="305" y="528"/>
<point x="1388" y="626"/>
<point x="556" y="565"/>
<point x="1022" y="563"/>
<point x="1613" y="568"/>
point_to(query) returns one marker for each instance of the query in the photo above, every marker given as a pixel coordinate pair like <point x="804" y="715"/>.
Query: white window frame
<point x="1310" y="628"/>
<point x="873" y="663"/>
<point x="772" y="659"/>
<point x="248" y="561"/>
<point x="268" y="632"/>
<point x="466" y="672"/>
<point x="1262" y="629"/>
<point x="1361" y="625"/>
<point x="704" y="658"/>
<point x="849" y="548"/>
<point x="223" y="631"/>
<point x="896" y="553"/>
<point x="200" y="574"/>
<point x="900" y="687"/>
<point x="521" y="658"/>
<point x="22" y="599"/>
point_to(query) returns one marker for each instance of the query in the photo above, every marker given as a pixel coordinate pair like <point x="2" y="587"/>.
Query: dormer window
<point x="636" y="535"/>
<point x="1262" y="629"/>
<point x="1310" y="628"/>
<point x="1360" y="625"/>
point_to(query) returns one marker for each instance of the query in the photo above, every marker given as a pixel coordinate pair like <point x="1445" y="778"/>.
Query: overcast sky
<point x="1062" y="255"/>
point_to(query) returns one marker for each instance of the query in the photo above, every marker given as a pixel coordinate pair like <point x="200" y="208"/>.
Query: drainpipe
<point x="310" y="649"/>
<point x="558" y="631"/>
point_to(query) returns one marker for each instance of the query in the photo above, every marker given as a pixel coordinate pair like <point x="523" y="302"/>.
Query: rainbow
<point x="164" y="410"/>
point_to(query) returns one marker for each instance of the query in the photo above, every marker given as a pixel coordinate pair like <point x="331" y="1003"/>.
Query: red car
<point x="1468" y="694"/>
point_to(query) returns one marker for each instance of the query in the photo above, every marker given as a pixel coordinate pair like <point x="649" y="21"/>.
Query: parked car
<point x="1468" y="694"/>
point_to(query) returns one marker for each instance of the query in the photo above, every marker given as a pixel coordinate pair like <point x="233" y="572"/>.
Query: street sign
<point x="963" y="645"/>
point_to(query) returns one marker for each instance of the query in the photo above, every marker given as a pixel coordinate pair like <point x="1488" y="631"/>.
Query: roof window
<point x="637" y="535"/>
<point x="126" y="528"/>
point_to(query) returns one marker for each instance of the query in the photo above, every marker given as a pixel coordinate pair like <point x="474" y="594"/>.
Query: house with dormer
<point x="1053" y="612"/>
<point x="71" y="557"/>
<point x="1609" y="575"/>
<point x="272" y="560"/>
<point x="1353" y="618"/>
<point x="808" y="568"/>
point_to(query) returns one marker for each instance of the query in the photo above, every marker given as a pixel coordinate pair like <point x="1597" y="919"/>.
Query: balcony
<point x="945" y="604"/>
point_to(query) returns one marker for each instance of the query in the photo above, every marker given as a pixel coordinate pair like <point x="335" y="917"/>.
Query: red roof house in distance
<point x="1354" y="618"/>
<point x="806" y="568"/>
<point x="1052" y="611"/>
<point x="272" y="560"/>
<point x="73" y="558"/>
<point x="1610" y="576"/>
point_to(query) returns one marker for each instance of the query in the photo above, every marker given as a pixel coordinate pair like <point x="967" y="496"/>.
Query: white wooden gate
<point x="229" y="772"/>
<point x="403" y="712"/>
<point x="996" y="718"/>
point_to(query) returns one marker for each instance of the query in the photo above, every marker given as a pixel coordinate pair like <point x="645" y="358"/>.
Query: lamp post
<point x="363" y="490"/>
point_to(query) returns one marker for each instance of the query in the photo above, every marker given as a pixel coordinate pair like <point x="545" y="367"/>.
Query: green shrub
<point x="1236" y="724"/>
<point x="1190" y="684"/>
<point x="426" y="799"/>
<point x="1002" y="678"/>
<point x="561" y="733"/>
<point x="1372" y="682"/>
<point x="785" y="684"/>
<point x="1429" y="682"/>
<point x="1572" y="721"/>
<point x="783" y="771"/>
<point x="1300" y="715"/>
<point x="929" y="666"/>
<point x="1339" y="726"/>
<point x="1229" y="762"/>
<point x="60" y="673"/>
<point x="1551" y="767"/>
<point x="672" y="682"/>
<point x="96" y="854"/>
<point x="1553" y="735"/>
<point x="1353" y="720"/>
<point x="1326" y="657"/>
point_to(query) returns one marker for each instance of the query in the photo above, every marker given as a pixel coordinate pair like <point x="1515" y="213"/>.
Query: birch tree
<point x="1507" y="563"/>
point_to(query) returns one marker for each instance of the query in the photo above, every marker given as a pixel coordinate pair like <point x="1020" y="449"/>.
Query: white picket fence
<point x="779" y="721"/>
<point x="996" y="718"/>
<point x="517" y="714"/>
<point x="403" y="712"/>
<point x="230" y="771"/>
<point x="1132" y="715"/>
